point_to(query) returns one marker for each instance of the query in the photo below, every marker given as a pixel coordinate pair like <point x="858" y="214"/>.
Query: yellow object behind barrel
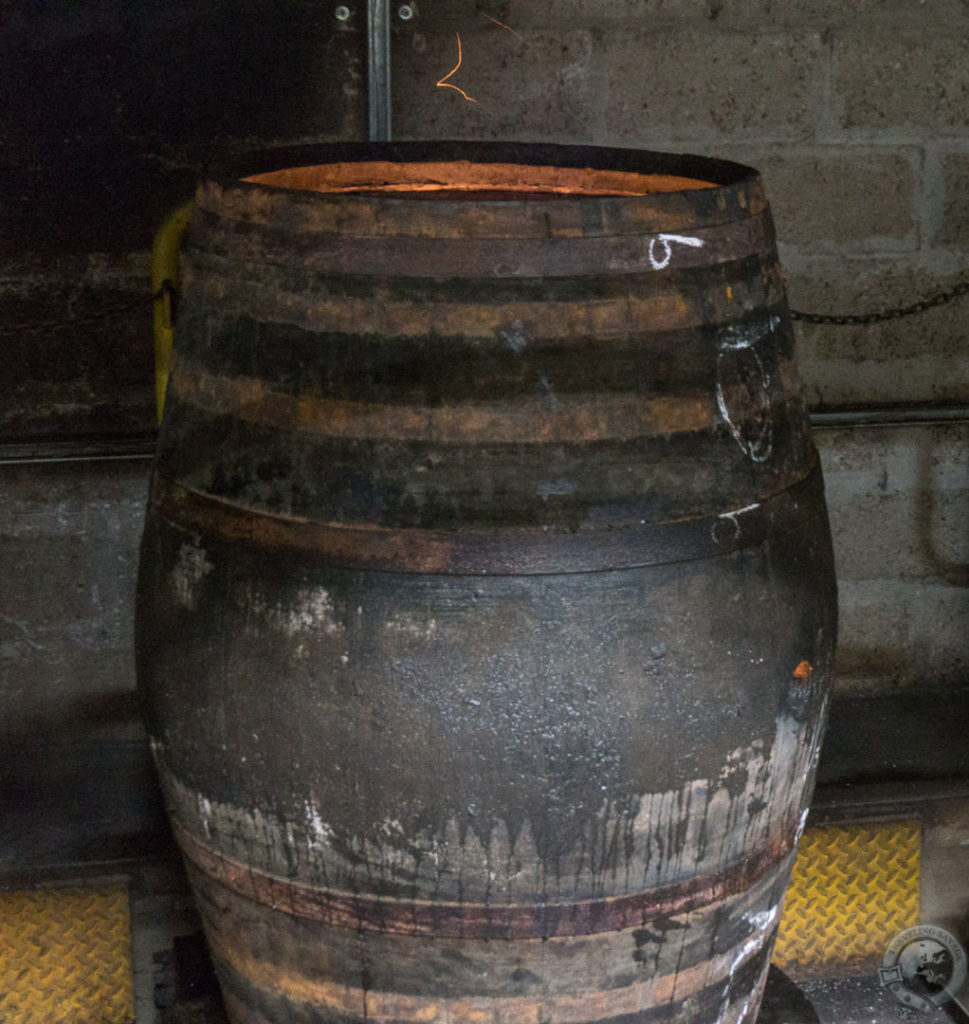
<point x="164" y="287"/>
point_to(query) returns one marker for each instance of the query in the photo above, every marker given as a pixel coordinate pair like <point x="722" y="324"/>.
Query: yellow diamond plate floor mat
<point x="853" y="889"/>
<point x="65" y="956"/>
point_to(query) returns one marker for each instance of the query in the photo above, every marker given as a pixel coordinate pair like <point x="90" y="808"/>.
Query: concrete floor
<point x="862" y="1001"/>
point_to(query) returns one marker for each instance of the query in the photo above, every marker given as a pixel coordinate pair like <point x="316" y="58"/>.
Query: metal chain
<point x="842" y="320"/>
<point x="886" y="314"/>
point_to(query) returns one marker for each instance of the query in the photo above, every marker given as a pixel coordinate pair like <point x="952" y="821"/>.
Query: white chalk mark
<point x="735" y="337"/>
<point x="661" y="260"/>
<point x="759" y="447"/>
<point x="733" y="517"/>
<point x="739" y="511"/>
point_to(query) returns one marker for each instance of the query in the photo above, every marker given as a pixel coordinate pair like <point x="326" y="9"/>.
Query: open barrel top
<point x="502" y="190"/>
<point x="452" y="179"/>
<point x="442" y="165"/>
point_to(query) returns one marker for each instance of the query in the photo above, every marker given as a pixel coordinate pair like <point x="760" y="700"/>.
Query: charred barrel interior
<point x="486" y="606"/>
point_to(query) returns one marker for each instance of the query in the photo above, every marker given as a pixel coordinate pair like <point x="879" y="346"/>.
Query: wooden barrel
<point x="486" y="605"/>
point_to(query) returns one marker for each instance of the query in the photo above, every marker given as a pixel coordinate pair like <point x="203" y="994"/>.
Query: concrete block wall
<point x="69" y="536"/>
<point x="75" y="780"/>
<point x="898" y="498"/>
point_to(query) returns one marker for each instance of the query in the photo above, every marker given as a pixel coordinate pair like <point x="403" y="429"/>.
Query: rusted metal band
<point x="480" y="920"/>
<point x="494" y="323"/>
<point x="435" y="257"/>
<point x="262" y="991"/>
<point x="497" y="552"/>
<point x="575" y="419"/>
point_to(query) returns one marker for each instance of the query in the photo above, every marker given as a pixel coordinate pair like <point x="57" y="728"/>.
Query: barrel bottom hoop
<point x="532" y="551"/>
<point x="440" y="919"/>
<point x="263" y="993"/>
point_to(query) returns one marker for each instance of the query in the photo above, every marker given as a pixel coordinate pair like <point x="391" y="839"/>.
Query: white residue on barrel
<point x="308" y="610"/>
<point x="191" y="567"/>
<point x="318" y="832"/>
<point x="411" y="624"/>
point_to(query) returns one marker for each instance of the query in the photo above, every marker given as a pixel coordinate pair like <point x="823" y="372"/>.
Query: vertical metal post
<point x="378" y="68"/>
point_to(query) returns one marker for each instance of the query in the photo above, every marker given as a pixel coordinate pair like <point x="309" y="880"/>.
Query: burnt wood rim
<point x="473" y="179"/>
<point x="424" y="255"/>
<point x="413" y="917"/>
<point x="580" y="219"/>
<point x="564" y="291"/>
<point x="575" y="218"/>
<point x="294" y="222"/>
<point x="494" y="552"/>
<point x="724" y="173"/>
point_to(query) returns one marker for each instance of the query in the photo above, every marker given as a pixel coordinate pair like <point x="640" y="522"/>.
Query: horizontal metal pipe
<point x="889" y="416"/>
<point x="836" y="802"/>
<point x="115" y="449"/>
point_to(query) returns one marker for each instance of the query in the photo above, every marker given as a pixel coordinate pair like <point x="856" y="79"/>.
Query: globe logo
<point x="923" y="967"/>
